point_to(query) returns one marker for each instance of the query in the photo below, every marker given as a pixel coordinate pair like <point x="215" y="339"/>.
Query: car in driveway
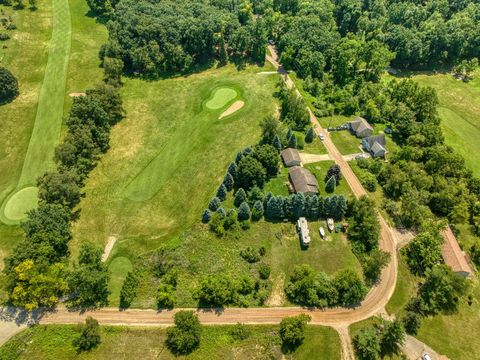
<point x="426" y="357"/>
<point x="321" y="137"/>
<point x="359" y="156"/>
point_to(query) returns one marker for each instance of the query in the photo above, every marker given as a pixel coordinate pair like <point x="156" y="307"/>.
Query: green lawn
<point x="118" y="268"/>
<point x="320" y="169"/>
<point x="279" y="184"/>
<point x="345" y="142"/>
<point x="405" y="289"/>
<point x="55" y="342"/>
<point x="459" y="111"/>
<point x="48" y="120"/>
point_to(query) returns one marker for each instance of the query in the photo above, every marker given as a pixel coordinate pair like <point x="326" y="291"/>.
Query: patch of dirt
<point x="277" y="296"/>
<point x="237" y="105"/>
<point x="108" y="248"/>
<point x="76" y="94"/>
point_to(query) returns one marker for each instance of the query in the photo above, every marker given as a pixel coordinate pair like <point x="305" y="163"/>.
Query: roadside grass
<point x="25" y="50"/>
<point x="315" y="147"/>
<point x="118" y="268"/>
<point x="405" y="289"/>
<point x="345" y="142"/>
<point x="459" y="111"/>
<point x="55" y="342"/>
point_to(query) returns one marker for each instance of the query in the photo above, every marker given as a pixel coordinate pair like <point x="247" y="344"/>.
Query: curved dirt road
<point x="373" y="304"/>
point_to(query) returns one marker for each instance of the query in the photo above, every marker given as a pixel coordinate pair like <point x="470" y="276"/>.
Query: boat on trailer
<point x="330" y="224"/>
<point x="322" y="232"/>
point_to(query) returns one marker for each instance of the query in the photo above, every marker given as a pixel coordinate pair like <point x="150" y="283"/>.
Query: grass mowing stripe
<point x="48" y="121"/>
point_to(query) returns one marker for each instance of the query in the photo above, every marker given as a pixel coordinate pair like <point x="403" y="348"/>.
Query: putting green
<point x="221" y="97"/>
<point x="119" y="268"/>
<point x="19" y="203"/>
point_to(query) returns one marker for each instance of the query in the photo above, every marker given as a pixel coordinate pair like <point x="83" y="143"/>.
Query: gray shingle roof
<point x="290" y="154"/>
<point x="380" y="139"/>
<point x="359" y="124"/>
<point x="303" y="180"/>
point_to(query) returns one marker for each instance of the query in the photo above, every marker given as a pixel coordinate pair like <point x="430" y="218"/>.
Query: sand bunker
<point x="76" y="94"/>
<point x="221" y="97"/>
<point x="237" y="105"/>
<point x="20" y="203"/>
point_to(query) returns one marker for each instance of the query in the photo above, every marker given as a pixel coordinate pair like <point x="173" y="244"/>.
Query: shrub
<point x="221" y="211"/>
<point x="165" y="296"/>
<point x="216" y="290"/>
<point x="412" y="322"/>
<point x="369" y="181"/>
<point x="206" y="216"/>
<point x="264" y="271"/>
<point x="367" y="344"/>
<point x="216" y="224"/>
<point x="240" y="332"/>
<point x="292" y="330"/>
<point x="250" y="255"/>
<point x="8" y="86"/>
<point x="245" y="225"/>
<point x="334" y="171"/>
<point x="214" y="204"/>
<point x="228" y="181"/>
<point x="244" y="212"/>
<point x="4" y="37"/>
<point x="90" y="337"/>
<point x="231" y="220"/>
<point x="184" y="337"/>
<point x="129" y="289"/>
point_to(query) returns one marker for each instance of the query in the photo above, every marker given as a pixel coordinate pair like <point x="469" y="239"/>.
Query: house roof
<point x="379" y="139"/>
<point x="290" y="154"/>
<point x="453" y="254"/>
<point x="376" y="148"/>
<point x="359" y="124"/>
<point x="302" y="180"/>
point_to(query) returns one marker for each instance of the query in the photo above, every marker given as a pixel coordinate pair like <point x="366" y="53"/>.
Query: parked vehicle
<point x="322" y="232"/>
<point x="426" y="357"/>
<point x="321" y="137"/>
<point x="359" y="156"/>
<point x="330" y="224"/>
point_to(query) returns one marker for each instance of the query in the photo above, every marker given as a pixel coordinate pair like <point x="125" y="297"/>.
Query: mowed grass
<point x="320" y="169"/>
<point x="55" y="342"/>
<point x="118" y="268"/>
<point x="220" y="98"/>
<point x="166" y="123"/>
<point x="459" y="110"/>
<point x="26" y="50"/>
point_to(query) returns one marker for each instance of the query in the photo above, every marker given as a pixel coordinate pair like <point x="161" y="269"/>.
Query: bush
<point x="216" y="224"/>
<point x="184" y="337"/>
<point x="264" y="271"/>
<point x="292" y="330"/>
<point x="310" y="135"/>
<point x="334" y="171"/>
<point x="165" y="296"/>
<point x="216" y="291"/>
<point x="240" y="197"/>
<point x="8" y="86"/>
<point x="369" y="181"/>
<point x="222" y="192"/>
<point x="4" y="37"/>
<point x="351" y="289"/>
<point x="250" y="255"/>
<point x="228" y="181"/>
<point x="129" y="289"/>
<point x="244" y="212"/>
<point x="90" y="337"/>
<point x="240" y="332"/>
<point x="412" y="322"/>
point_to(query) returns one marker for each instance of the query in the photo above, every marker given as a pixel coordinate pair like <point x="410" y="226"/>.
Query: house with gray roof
<point x="291" y="157"/>
<point x="302" y="180"/>
<point x="375" y="145"/>
<point x="360" y="127"/>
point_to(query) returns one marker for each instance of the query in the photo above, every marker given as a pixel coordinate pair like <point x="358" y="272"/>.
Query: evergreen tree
<point x="206" y="216"/>
<point x="334" y="171"/>
<point x="289" y="133"/>
<point x="267" y="197"/>
<point x="274" y="209"/>
<point x="310" y="135"/>
<point x="240" y="197"/>
<point x="257" y="210"/>
<point x="330" y="185"/>
<point x="232" y="169"/>
<point x="312" y="207"/>
<point x="228" y="181"/>
<point x="292" y="142"/>
<point x="288" y="207"/>
<point x="214" y="203"/>
<point x="222" y="192"/>
<point x="223" y="51"/>
<point x="254" y="195"/>
<point x="244" y="211"/>
<point x="339" y="207"/>
<point x="299" y="204"/>
<point x="221" y="211"/>
<point x="277" y="143"/>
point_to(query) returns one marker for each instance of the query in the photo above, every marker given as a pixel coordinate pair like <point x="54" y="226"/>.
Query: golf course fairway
<point x="48" y="121"/>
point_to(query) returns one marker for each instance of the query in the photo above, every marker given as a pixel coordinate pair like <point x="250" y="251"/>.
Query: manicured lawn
<point x="320" y="169"/>
<point x="459" y="111"/>
<point x="345" y="142"/>
<point x="55" y="342"/>
<point x="278" y="185"/>
<point x="405" y="289"/>
<point x="118" y="268"/>
<point x="315" y="147"/>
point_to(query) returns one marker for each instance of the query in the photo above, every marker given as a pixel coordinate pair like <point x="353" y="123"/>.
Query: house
<point x="303" y="231"/>
<point x="453" y="255"/>
<point x="291" y="157"/>
<point x="302" y="180"/>
<point x="375" y="145"/>
<point x="360" y="127"/>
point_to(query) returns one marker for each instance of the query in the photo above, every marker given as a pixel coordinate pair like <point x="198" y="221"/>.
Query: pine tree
<point x="214" y="204"/>
<point x="240" y="197"/>
<point x="232" y="169"/>
<point x="206" y="216"/>
<point x="244" y="212"/>
<point x="292" y="142"/>
<point x="299" y="203"/>
<point x="310" y="135"/>
<point x="277" y="143"/>
<point x="289" y="134"/>
<point x="222" y="192"/>
<point x="223" y="51"/>
<point x="274" y="208"/>
<point x="228" y="181"/>
<point x="330" y="185"/>
<point x="257" y="210"/>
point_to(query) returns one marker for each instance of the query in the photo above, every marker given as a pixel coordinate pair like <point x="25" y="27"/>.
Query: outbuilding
<point x="453" y="255"/>
<point x="302" y="180"/>
<point x="360" y="127"/>
<point x="291" y="157"/>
